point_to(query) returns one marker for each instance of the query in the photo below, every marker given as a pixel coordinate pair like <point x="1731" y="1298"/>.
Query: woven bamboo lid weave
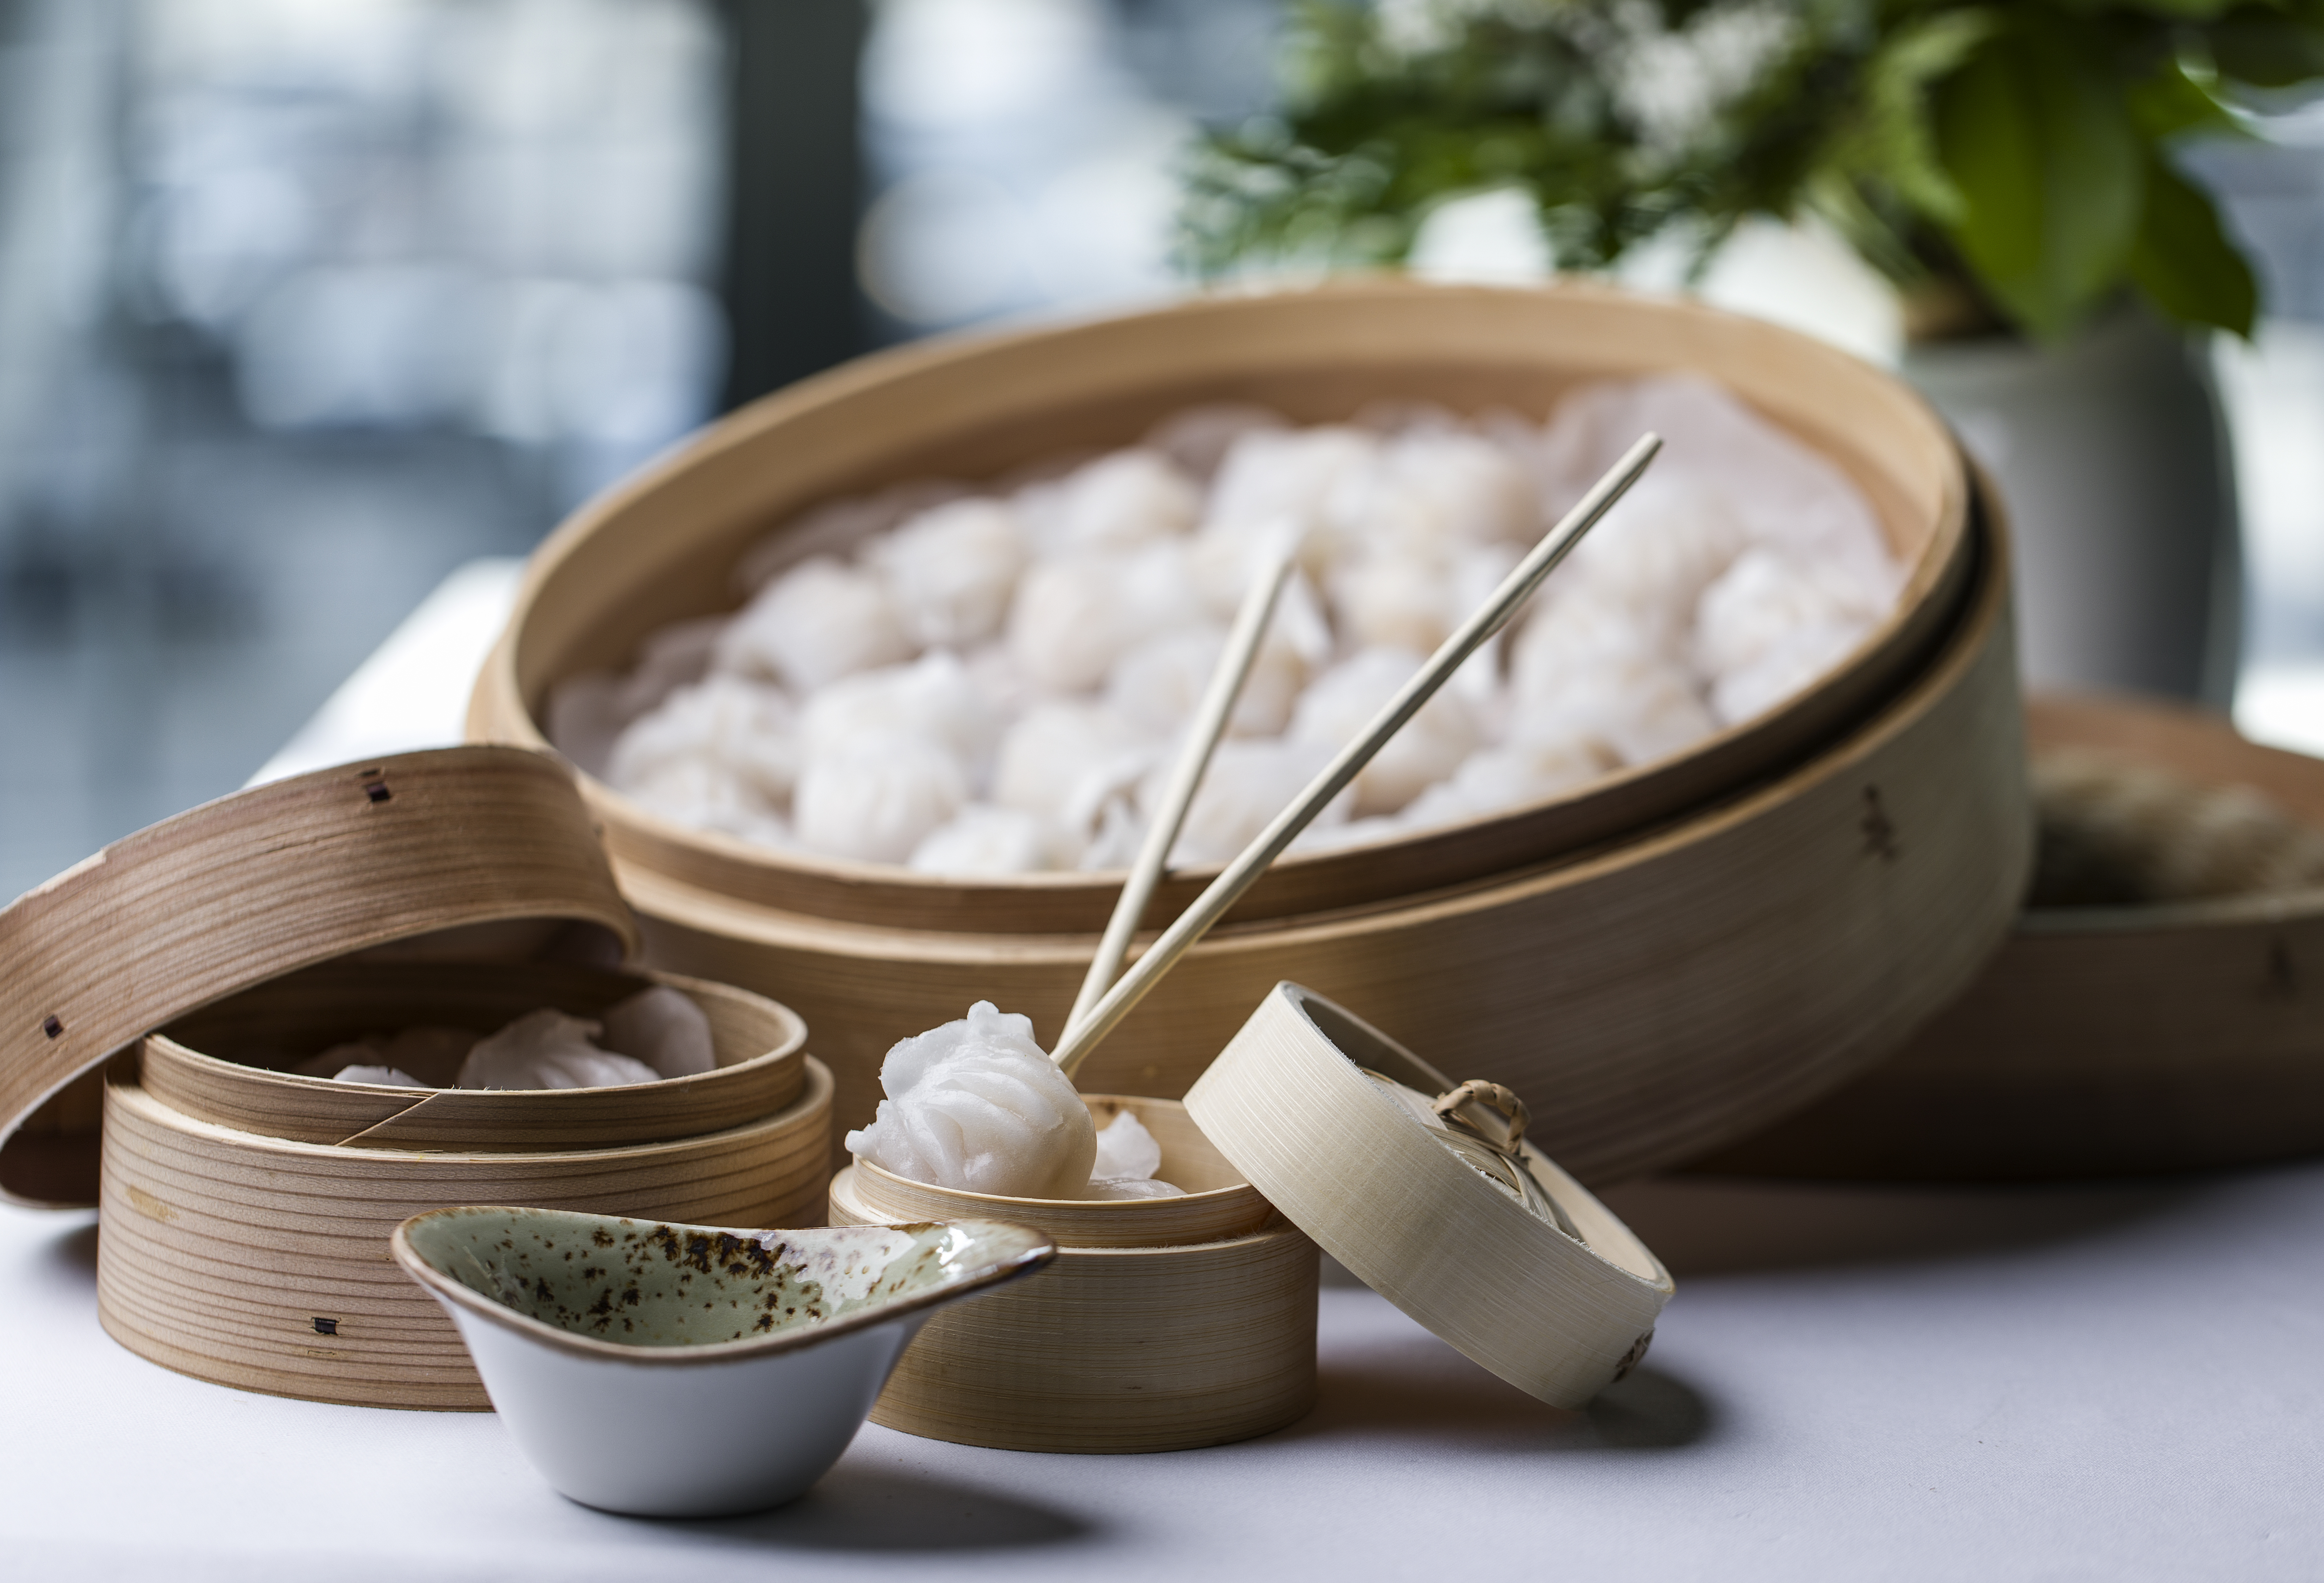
<point x="494" y="840"/>
<point x="1367" y="1149"/>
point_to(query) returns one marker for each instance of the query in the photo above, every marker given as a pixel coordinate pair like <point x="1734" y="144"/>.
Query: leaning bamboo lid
<point x="492" y="842"/>
<point x="1427" y="1190"/>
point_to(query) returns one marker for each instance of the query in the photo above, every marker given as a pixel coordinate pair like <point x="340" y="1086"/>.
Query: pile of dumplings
<point x="992" y="681"/>
<point x="655" y="1034"/>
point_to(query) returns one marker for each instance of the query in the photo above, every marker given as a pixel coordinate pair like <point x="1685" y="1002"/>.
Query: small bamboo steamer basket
<point x="1289" y="1102"/>
<point x="2108" y="1040"/>
<point x="287" y="918"/>
<point x="1164" y="1324"/>
<point x="1771" y="910"/>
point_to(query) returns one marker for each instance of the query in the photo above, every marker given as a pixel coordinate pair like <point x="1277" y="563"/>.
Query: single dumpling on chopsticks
<point x="977" y="1106"/>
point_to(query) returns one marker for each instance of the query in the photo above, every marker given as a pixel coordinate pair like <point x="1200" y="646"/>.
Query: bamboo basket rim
<point x="793" y="1043"/>
<point x="816" y="1092"/>
<point x="1028" y="1260"/>
<point x="1276" y="1227"/>
<point x="499" y="709"/>
<point x="161" y="924"/>
<point x="1984" y="608"/>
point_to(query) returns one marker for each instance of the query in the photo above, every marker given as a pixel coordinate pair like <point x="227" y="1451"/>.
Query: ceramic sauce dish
<point x="687" y="1371"/>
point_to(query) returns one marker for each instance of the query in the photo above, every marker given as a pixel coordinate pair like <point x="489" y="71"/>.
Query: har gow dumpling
<point x="875" y="796"/>
<point x="1344" y="700"/>
<point x="547" y="1049"/>
<point x="976" y="1105"/>
<point x="819" y="621"/>
<point x="953" y="570"/>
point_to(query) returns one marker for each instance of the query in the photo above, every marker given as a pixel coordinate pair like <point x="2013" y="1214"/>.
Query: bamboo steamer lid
<point x="493" y="842"/>
<point x="1426" y="1190"/>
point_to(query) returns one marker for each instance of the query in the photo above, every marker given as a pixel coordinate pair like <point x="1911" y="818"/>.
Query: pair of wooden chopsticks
<point x="1104" y="1000"/>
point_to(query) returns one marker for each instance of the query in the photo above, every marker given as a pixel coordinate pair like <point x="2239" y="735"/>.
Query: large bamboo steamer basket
<point x="1164" y="1324"/>
<point x="244" y="1210"/>
<point x="661" y="548"/>
<point x="2106" y="1041"/>
<point x="1660" y="994"/>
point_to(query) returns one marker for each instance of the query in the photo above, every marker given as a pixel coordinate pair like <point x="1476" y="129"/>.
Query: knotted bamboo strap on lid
<point x="262" y="883"/>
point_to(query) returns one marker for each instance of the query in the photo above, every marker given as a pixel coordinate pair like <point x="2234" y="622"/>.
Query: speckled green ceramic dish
<point x="690" y="1370"/>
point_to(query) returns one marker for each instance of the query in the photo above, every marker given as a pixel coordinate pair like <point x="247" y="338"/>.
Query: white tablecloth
<point x="2092" y="1382"/>
<point x="1852" y="1384"/>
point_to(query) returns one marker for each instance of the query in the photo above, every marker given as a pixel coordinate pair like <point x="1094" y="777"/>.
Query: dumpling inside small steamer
<point x="976" y="1105"/>
<point x="653" y="1034"/>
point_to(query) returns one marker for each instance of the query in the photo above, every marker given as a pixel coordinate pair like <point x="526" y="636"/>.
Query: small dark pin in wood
<point x="326" y="1327"/>
<point x="53" y="1026"/>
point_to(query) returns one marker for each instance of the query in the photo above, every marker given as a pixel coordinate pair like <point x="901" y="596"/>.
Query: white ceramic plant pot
<point x="2111" y="455"/>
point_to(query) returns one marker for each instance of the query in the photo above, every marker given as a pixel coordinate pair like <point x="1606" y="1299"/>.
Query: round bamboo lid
<point x="494" y="841"/>
<point x="1426" y="1190"/>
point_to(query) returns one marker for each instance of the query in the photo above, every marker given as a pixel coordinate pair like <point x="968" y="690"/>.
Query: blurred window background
<point x="306" y="303"/>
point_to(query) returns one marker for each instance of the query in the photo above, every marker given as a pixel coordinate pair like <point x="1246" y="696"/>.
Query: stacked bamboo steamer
<point x="1174" y="1322"/>
<point x="1680" y="955"/>
<point x="2106" y="1040"/>
<point x="244" y="1210"/>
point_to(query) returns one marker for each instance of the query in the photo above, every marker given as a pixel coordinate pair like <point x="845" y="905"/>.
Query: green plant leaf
<point x="2182" y="260"/>
<point x="2036" y="138"/>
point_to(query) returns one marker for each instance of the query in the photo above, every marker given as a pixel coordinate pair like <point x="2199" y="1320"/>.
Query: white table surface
<point x="2095" y="1382"/>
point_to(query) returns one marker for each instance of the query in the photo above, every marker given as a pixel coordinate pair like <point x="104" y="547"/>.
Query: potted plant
<point x="2010" y="168"/>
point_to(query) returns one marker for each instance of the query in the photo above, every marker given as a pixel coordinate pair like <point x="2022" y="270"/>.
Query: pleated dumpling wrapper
<point x="547" y="1049"/>
<point x="977" y="1106"/>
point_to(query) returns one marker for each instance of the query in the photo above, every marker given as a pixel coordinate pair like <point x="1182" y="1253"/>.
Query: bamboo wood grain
<point x="1157" y="1346"/>
<point x="263" y="883"/>
<point x="1218" y="1202"/>
<point x="1286" y="1102"/>
<point x="1085" y="1030"/>
<point x="221" y="1250"/>
<point x="1666" y="993"/>
<point x="2105" y="1040"/>
<point x="214" y="1065"/>
<point x="660" y="549"/>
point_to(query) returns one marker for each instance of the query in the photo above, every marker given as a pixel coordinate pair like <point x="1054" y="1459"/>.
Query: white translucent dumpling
<point x="984" y="838"/>
<point x="1160" y="684"/>
<point x="1125" y="1149"/>
<point x="1198" y="437"/>
<point x="976" y="1105"/>
<point x="1344" y="700"/>
<point x="1391" y="597"/>
<point x="1509" y="777"/>
<point x="1064" y="761"/>
<point x="705" y="794"/>
<point x="547" y="1049"/>
<point x="1074" y="617"/>
<point x="819" y="621"/>
<point x="664" y="1028"/>
<point x="1642" y="704"/>
<point x="1456" y="486"/>
<point x="953" y="570"/>
<point x="1249" y="782"/>
<point x="746" y="729"/>
<point x="584" y="718"/>
<point x="385" y="1076"/>
<point x="877" y="796"/>
<point x="1288" y="477"/>
<point x="932" y="698"/>
<point x="1125" y="499"/>
<point x="1656" y="552"/>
